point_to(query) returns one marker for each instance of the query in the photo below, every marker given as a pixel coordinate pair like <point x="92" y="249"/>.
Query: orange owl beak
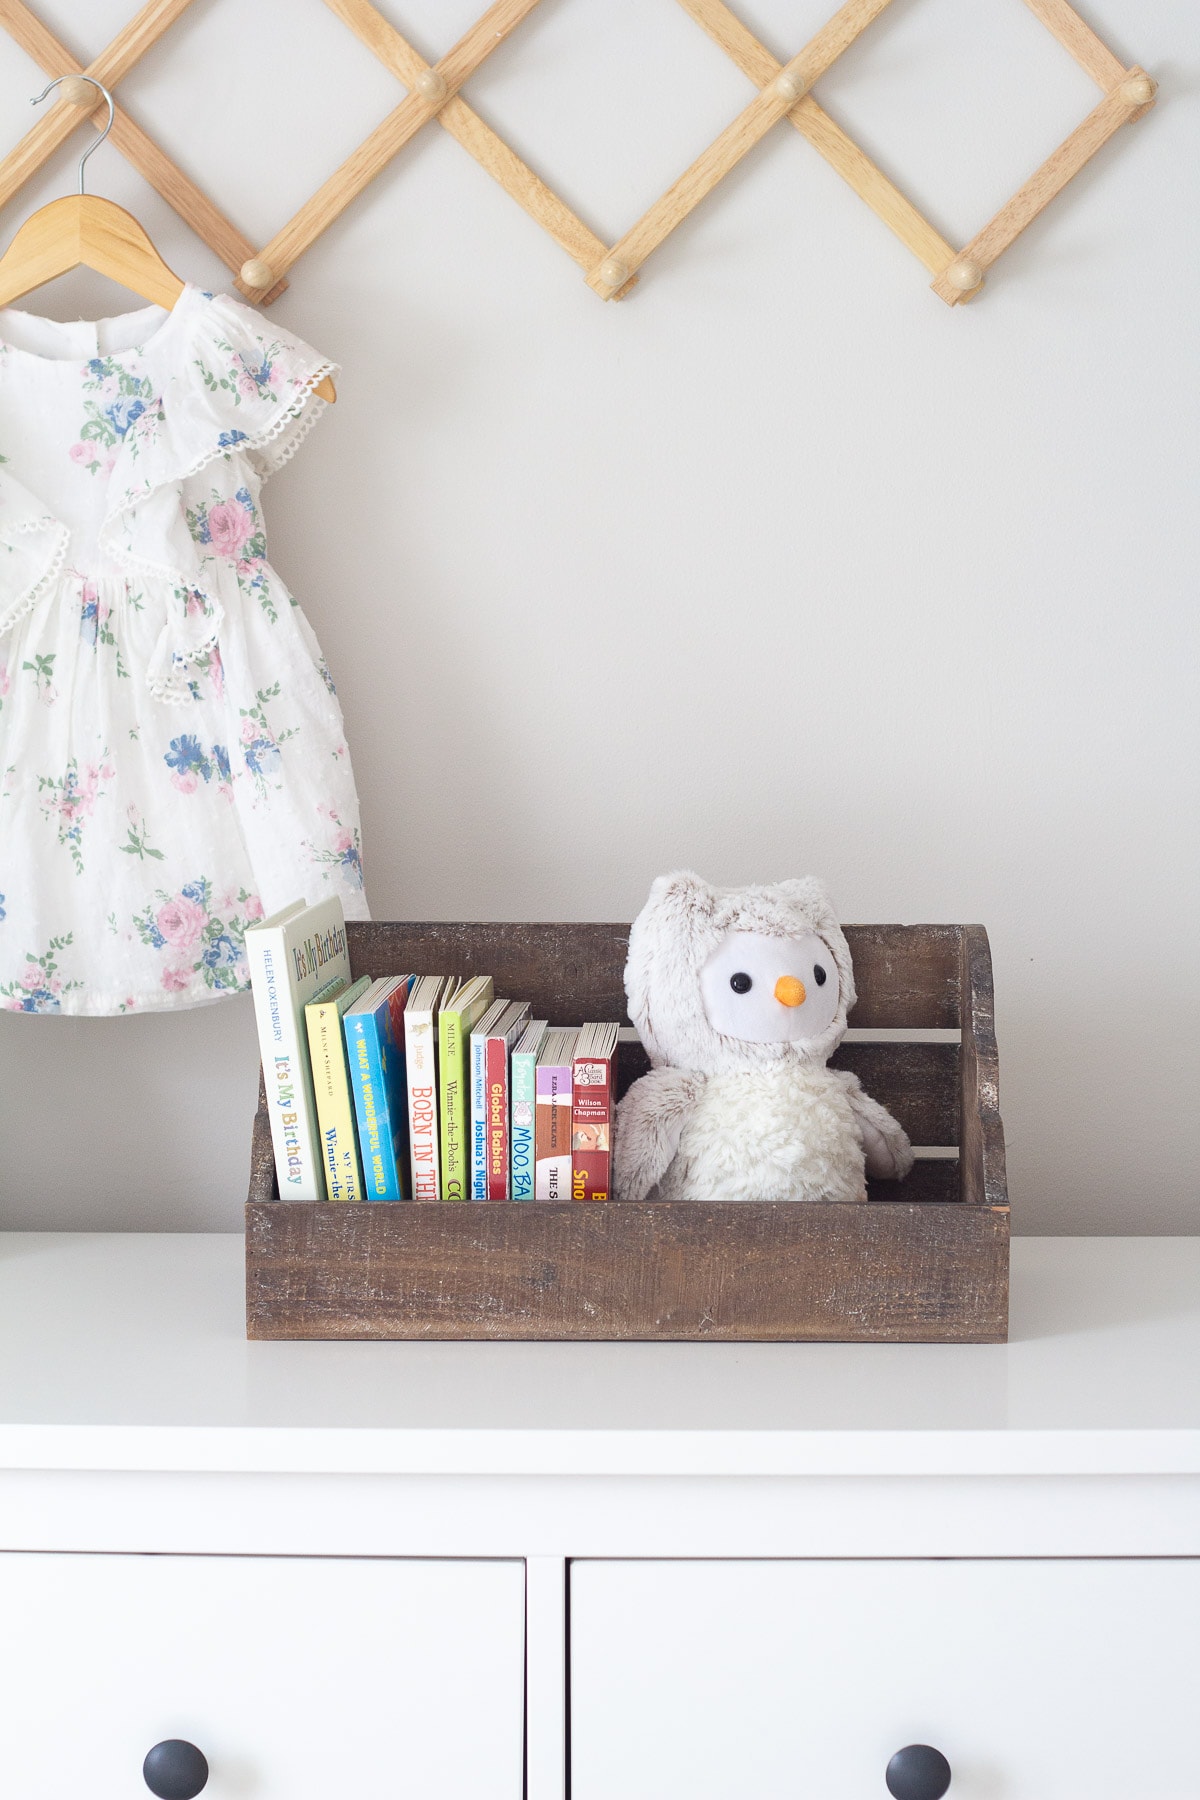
<point x="789" y="991"/>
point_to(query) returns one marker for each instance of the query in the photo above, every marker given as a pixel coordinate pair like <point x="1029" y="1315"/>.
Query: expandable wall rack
<point x="611" y="270"/>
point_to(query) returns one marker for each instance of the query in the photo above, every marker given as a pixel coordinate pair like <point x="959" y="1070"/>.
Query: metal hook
<point x="100" y="87"/>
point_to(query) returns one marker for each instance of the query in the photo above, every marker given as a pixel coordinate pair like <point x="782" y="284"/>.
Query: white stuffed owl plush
<point x="740" y="996"/>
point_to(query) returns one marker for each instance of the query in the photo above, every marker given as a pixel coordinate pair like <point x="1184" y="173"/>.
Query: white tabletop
<point x="126" y="1351"/>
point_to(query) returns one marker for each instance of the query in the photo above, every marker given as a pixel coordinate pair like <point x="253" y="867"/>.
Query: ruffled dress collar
<point x="231" y="390"/>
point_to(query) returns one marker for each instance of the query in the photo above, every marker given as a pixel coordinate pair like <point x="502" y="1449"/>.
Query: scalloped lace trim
<point x="260" y="439"/>
<point x="301" y="414"/>
<point x="172" y="688"/>
<point x="25" y="603"/>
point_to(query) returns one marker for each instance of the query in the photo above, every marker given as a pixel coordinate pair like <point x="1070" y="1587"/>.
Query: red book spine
<point x="496" y="1099"/>
<point x="591" y="1128"/>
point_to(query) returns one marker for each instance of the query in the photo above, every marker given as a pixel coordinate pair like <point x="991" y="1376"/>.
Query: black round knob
<point x="918" y="1772"/>
<point x="175" y="1770"/>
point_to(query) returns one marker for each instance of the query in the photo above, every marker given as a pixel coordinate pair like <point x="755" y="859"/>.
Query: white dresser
<point x="623" y="1572"/>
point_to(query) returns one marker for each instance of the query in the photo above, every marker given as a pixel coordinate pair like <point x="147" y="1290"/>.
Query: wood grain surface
<point x="1060" y="167"/>
<point x="790" y="1273"/>
<point x="825" y="135"/>
<point x="984" y="1172"/>
<point x="377" y="150"/>
<point x="477" y="137"/>
<point x="736" y="141"/>
<point x="1078" y="38"/>
<point x="218" y="232"/>
<point x="109" y="68"/>
<point x="907" y="976"/>
<point x="918" y="1083"/>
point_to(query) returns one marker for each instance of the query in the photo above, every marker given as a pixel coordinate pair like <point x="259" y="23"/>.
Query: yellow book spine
<point x="335" y="1108"/>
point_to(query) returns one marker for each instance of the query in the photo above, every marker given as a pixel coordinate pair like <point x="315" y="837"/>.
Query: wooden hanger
<point x="85" y="230"/>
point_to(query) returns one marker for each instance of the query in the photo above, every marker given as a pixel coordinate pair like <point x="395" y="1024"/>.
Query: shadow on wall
<point x="173" y="1090"/>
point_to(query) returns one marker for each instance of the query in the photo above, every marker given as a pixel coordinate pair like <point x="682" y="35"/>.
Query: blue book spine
<point x="524" y="1099"/>
<point x="365" y="1054"/>
<point x="478" y="1118"/>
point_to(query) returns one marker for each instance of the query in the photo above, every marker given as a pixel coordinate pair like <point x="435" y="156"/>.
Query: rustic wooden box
<point x="925" y="1260"/>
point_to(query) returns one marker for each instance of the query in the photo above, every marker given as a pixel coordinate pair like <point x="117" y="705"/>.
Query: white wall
<point x="806" y="572"/>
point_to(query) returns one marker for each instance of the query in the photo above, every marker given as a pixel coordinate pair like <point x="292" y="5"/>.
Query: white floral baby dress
<point x="172" y="758"/>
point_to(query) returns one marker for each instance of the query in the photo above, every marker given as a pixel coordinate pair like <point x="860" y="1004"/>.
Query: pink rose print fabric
<point x="173" y="763"/>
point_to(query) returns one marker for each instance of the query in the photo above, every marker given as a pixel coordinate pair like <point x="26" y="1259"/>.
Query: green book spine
<point x="452" y="1080"/>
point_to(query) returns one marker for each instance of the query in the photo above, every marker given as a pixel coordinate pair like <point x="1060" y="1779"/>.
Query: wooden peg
<point x="965" y="274"/>
<point x="256" y="272"/>
<point x="613" y="273"/>
<point x="431" y="86"/>
<point x="78" y="92"/>
<point x="1139" y="90"/>
<point x="788" y="87"/>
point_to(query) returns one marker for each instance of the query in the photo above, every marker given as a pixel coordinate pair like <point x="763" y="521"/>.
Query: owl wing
<point x="650" y="1121"/>
<point x="885" y="1143"/>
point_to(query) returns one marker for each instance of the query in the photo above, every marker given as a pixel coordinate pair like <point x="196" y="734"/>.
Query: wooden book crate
<point x="926" y="1260"/>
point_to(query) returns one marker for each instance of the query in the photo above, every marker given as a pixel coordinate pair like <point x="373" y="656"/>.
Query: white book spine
<point x="478" y="1117"/>
<point x="286" y="1074"/>
<point x="420" y="1056"/>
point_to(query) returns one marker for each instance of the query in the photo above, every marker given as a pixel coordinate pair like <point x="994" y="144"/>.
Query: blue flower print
<point x="39" y="1000"/>
<point x="89" y="618"/>
<point x="123" y="412"/>
<point x="262" y="756"/>
<point x="258" y="372"/>
<point x="351" y="862"/>
<point x="193" y="764"/>
<point x="228" y="439"/>
<point x="3" y="914"/>
<point x="38" y="988"/>
<point x="222" y="953"/>
<point x="118" y="399"/>
<point x="340" y="851"/>
<point x="203" y="937"/>
<point x="260" y="743"/>
<point x="186" y="754"/>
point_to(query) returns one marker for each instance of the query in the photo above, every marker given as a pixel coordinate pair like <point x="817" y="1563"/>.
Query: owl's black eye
<point x="740" y="983"/>
<point x="819" y="975"/>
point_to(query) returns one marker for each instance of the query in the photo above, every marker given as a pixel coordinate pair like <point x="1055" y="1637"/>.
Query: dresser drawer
<point x="1037" y="1680"/>
<point x="298" y="1678"/>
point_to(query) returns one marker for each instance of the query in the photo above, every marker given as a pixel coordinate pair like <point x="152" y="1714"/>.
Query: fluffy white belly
<point x="787" y="1134"/>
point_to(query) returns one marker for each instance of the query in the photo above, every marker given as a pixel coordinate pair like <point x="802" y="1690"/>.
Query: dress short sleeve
<point x="239" y="397"/>
<point x="260" y="382"/>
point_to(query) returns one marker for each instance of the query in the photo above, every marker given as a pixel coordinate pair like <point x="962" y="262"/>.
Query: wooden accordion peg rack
<point x="784" y="94"/>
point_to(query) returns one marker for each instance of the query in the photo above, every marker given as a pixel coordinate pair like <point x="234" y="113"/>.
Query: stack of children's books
<point x="420" y="1087"/>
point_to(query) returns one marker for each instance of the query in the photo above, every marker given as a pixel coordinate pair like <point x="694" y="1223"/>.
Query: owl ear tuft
<point x="684" y="886"/>
<point x="665" y="945"/>
<point x="684" y="892"/>
<point x="807" y="891"/>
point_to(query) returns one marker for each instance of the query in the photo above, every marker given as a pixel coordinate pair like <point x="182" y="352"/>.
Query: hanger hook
<point x="100" y="87"/>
